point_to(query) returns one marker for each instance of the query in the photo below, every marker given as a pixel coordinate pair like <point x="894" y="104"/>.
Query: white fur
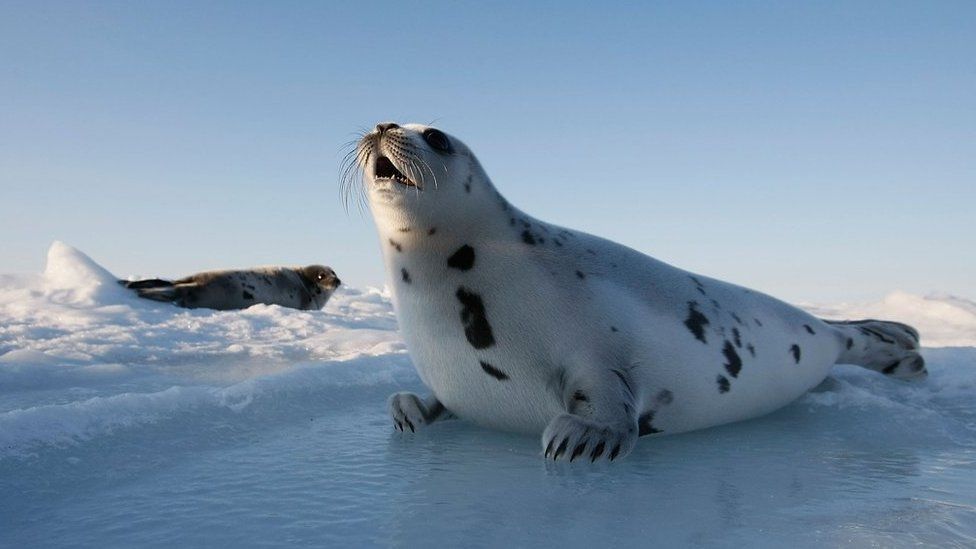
<point x="552" y="328"/>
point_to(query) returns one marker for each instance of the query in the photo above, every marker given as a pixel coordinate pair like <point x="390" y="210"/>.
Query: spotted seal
<point x="521" y="325"/>
<point x="305" y="288"/>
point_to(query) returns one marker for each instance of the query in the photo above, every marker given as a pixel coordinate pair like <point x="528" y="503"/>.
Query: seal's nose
<point x="386" y="126"/>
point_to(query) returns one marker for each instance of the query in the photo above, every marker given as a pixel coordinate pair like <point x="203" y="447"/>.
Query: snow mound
<point x="72" y="277"/>
<point x="942" y="320"/>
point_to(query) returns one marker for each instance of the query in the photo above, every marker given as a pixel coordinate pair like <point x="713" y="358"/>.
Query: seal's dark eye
<point x="437" y="140"/>
<point x="320" y="276"/>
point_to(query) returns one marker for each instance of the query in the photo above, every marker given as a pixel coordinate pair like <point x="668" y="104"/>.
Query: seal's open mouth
<point x="386" y="170"/>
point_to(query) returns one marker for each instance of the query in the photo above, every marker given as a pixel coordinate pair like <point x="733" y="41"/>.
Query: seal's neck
<point x="406" y="234"/>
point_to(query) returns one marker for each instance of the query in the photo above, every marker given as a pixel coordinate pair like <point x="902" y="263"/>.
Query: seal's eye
<point x="437" y="140"/>
<point x="320" y="276"/>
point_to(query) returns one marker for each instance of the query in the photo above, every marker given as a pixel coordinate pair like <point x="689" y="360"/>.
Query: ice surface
<point x="126" y="422"/>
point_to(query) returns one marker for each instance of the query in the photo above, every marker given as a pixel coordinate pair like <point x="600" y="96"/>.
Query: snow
<point x="126" y="422"/>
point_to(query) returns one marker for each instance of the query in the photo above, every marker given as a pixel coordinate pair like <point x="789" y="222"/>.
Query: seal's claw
<point x="577" y="437"/>
<point x="408" y="411"/>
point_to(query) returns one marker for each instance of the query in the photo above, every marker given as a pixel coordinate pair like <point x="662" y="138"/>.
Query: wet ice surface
<point x="124" y="423"/>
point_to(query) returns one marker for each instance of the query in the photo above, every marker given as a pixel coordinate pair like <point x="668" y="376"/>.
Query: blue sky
<point x="818" y="151"/>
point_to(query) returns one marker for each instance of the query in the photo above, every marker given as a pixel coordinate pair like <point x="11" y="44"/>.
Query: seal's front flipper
<point x="410" y="412"/>
<point x="601" y="422"/>
<point x="572" y="437"/>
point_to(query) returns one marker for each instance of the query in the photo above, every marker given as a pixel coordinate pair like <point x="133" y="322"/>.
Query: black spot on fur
<point x="737" y="337"/>
<point x="431" y="231"/>
<point x="591" y="252"/>
<point x="737" y="319"/>
<point x="528" y="238"/>
<point x="580" y="275"/>
<point x="664" y="397"/>
<point x="405" y="275"/>
<point x="247" y="295"/>
<point x="715" y="304"/>
<point x="557" y="242"/>
<point x="396" y="245"/>
<point x="850" y="342"/>
<point x="511" y="221"/>
<point x="795" y="351"/>
<point x="723" y="384"/>
<point x="614" y="329"/>
<point x="751" y="349"/>
<point x="733" y="364"/>
<point x="493" y="372"/>
<point x="476" y="327"/>
<point x="809" y="329"/>
<point x="645" y="424"/>
<point x="696" y="322"/>
<point x="580" y="396"/>
<point x="462" y="259"/>
<point x="757" y="322"/>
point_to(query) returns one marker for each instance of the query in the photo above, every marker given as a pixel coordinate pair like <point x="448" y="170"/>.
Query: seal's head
<point x="321" y="282"/>
<point x="418" y="175"/>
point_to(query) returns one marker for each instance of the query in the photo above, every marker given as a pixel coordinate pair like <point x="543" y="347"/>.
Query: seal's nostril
<point x="386" y="126"/>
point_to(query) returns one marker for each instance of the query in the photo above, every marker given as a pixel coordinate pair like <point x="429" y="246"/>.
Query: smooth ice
<point x="130" y="423"/>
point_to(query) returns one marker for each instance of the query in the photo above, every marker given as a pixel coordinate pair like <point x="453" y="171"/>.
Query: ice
<point x="126" y="422"/>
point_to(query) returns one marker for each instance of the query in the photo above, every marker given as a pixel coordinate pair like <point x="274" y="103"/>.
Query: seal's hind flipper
<point x="167" y="294"/>
<point x="146" y="283"/>
<point x="883" y="346"/>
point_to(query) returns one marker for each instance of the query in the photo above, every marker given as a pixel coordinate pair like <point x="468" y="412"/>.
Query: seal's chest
<point x="476" y="346"/>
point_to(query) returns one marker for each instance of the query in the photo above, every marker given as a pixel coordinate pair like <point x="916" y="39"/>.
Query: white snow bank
<point x="81" y="357"/>
<point x="71" y="277"/>
<point x="124" y="422"/>
<point x="942" y="320"/>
